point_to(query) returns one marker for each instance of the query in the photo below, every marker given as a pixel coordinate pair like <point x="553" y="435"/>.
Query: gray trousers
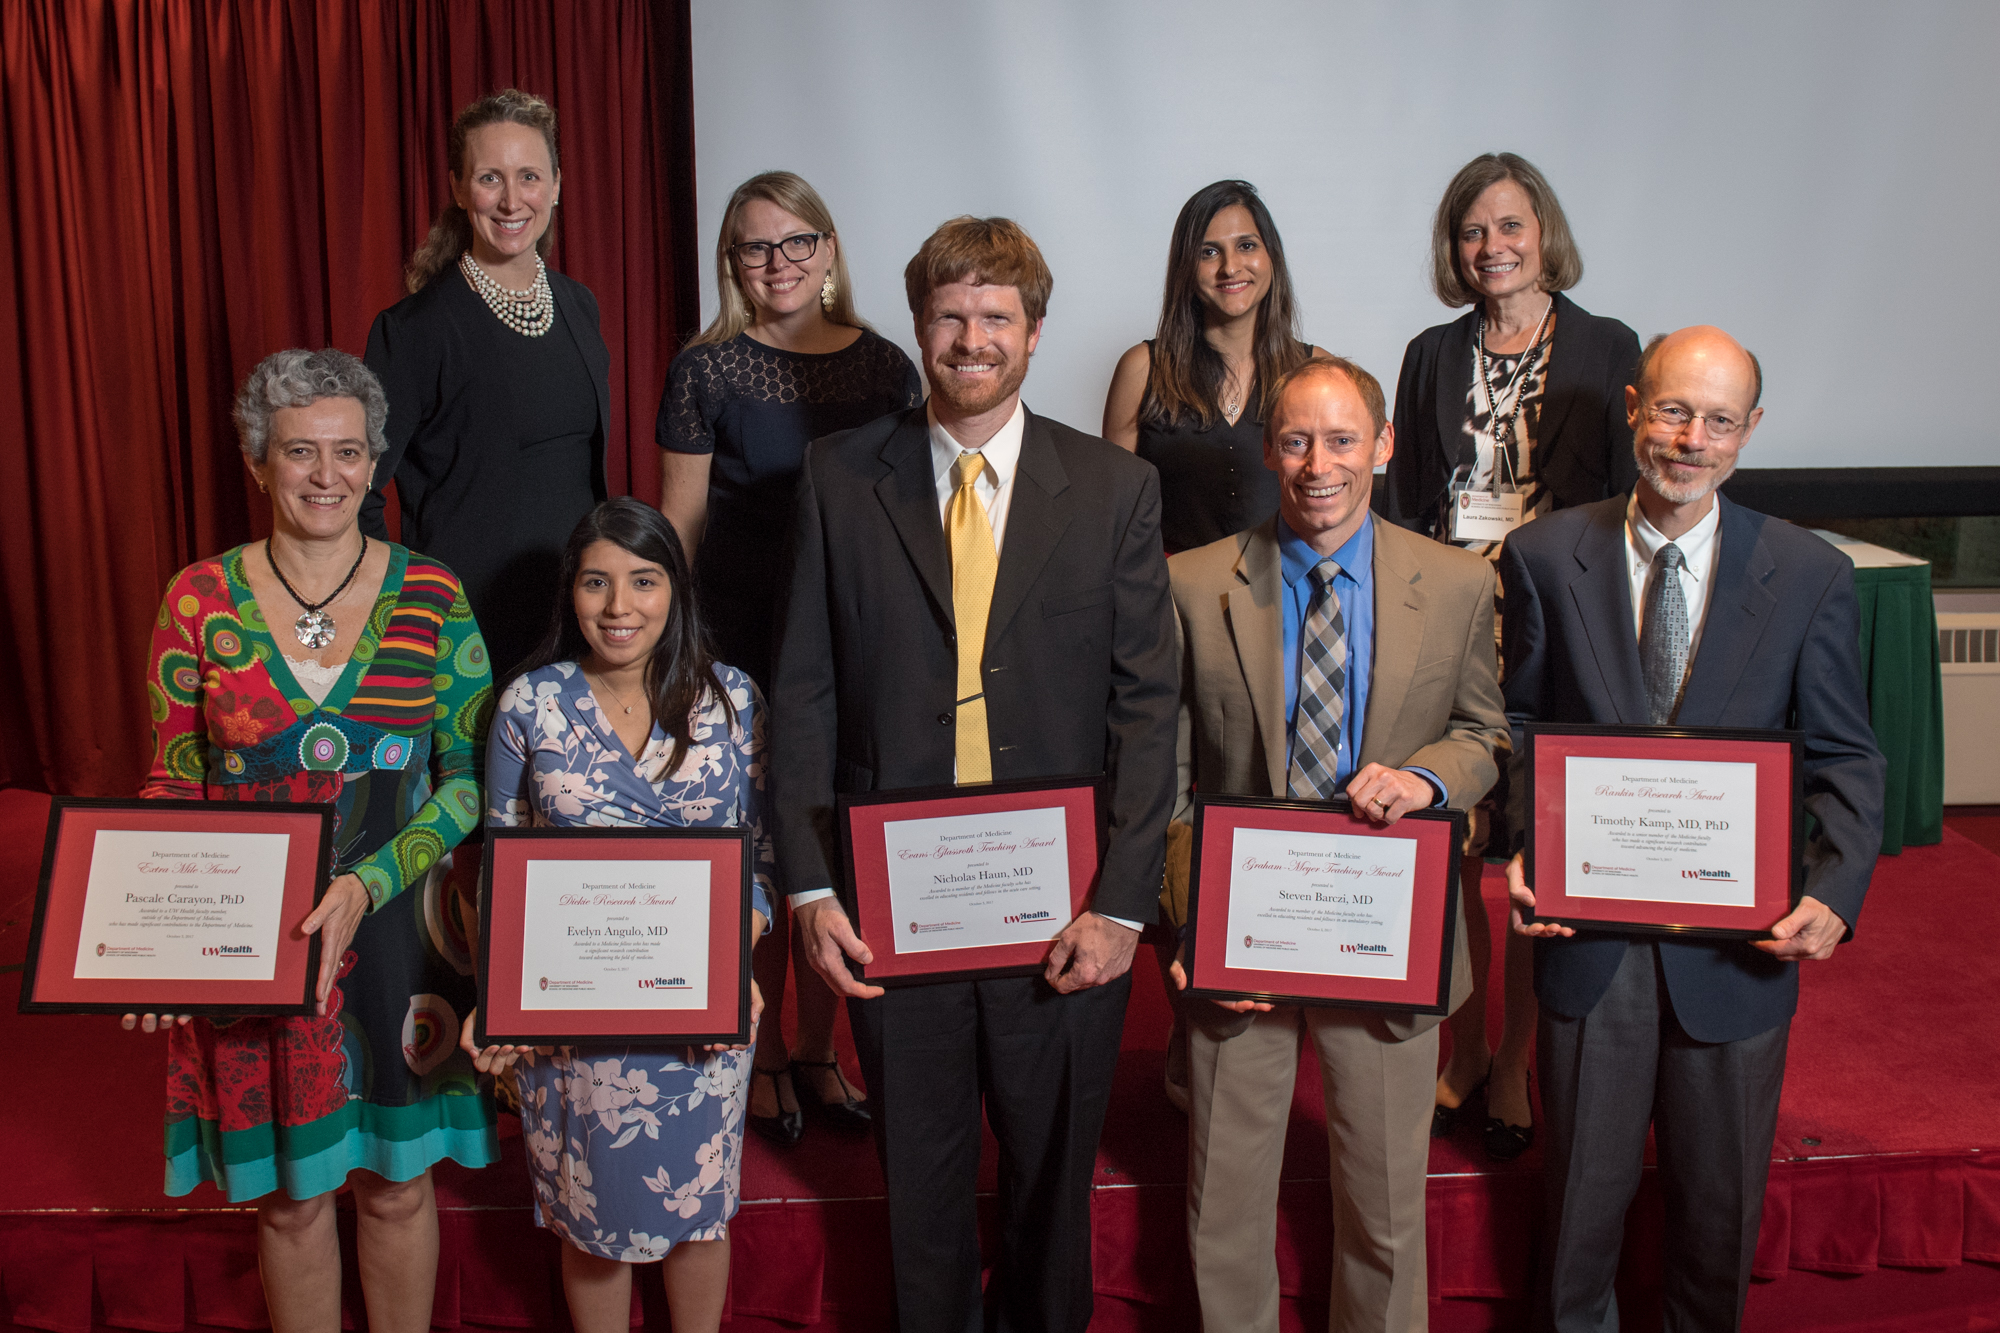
<point x="1713" y="1110"/>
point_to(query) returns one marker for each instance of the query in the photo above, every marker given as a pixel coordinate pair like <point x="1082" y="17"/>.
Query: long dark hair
<point x="681" y="673"/>
<point x="1187" y="373"/>
<point x="451" y="235"/>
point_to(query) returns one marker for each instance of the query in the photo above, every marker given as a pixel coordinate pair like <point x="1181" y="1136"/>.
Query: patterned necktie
<point x="974" y="563"/>
<point x="1322" y="686"/>
<point x="1663" y="637"/>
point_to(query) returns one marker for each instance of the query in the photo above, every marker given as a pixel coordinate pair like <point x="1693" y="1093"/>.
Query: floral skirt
<point x="634" y="1150"/>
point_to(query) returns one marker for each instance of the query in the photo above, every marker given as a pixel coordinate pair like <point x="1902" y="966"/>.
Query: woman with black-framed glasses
<point x="785" y="361"/>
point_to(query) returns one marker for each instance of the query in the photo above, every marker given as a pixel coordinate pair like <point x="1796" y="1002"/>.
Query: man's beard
<point x="1671" y="492"/>
<point x="969" y="400"/>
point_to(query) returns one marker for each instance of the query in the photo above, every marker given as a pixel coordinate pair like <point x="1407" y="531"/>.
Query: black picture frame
<point x="1795" y="836"/>
<point x="1456" y="822"/>
<point x="738" y="1035"/>
<point x="61" y="806"/>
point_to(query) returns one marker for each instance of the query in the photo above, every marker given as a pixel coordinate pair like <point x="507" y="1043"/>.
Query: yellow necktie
<point x="974" y="564"/>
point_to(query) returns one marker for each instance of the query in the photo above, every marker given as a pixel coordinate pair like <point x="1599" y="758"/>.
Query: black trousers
<point x="1713" y="1110"/>
<point x="1042" y="1064"/>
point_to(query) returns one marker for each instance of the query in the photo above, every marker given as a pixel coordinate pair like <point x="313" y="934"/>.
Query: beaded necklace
<point x="530" y="314"/>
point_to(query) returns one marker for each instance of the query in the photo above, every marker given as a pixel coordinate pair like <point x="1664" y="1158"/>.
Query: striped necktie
<point x="1322" y="687"/>
<point x="974" y="564"/>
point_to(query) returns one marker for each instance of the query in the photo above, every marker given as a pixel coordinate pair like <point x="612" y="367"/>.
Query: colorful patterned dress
<point x="632" y="1149"/>
<point x="257" y="1104"/>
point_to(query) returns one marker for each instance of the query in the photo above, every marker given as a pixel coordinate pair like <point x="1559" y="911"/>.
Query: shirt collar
<point x="1003" y="451"/>
<point x="1356" y="556"/>
<point x="1643" y="541"/>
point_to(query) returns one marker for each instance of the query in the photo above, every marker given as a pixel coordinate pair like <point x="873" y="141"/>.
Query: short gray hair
<point x="298" y="378"/>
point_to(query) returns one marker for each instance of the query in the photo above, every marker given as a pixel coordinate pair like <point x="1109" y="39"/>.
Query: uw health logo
<point x="1018" y="918"/>
<point x="663" y="983"/>
<point x="226" y="951"/>
<point x="1714" y="876"/>
<point x="1382" y="949"/>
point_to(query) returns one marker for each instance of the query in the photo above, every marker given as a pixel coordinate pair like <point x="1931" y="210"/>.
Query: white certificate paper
<point x="978" y="881"/>
<point x="1660" y="831"/>
<point x="183" y="906"/>
<point x="1333" y="904"/>
<point x="616" y="935"/>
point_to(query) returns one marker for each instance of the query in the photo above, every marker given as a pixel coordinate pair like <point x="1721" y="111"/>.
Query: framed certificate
<point x="596" y="935"/>
<point x="951" y="883"/>
<point x="182" y="907"/>
<point x="1672" y="830"/>
<point x="1305" y="902"/>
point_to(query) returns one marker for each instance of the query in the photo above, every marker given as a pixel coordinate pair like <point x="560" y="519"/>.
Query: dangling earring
<point x="826" y="290"/>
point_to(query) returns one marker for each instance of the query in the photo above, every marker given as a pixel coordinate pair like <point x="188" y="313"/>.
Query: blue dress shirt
<point x="1355" y="587"/>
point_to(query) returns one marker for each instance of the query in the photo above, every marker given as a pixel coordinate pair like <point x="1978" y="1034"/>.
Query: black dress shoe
<point x="847" y="1116"/>
<point x="785" y="1128"/>
<point x="1444" y="1119"/>
<point x="1505" y="1142"/>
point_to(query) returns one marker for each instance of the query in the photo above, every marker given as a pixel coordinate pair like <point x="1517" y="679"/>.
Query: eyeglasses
<point x="758" y="254"/>
<point x="1678" y="419"/>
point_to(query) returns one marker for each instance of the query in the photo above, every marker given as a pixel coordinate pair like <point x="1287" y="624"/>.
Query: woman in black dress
<point x="498" y="380"/>
<point x="786" y="361"/>
<point x="1188" y="400"/>
<point x="1525" y="391"/>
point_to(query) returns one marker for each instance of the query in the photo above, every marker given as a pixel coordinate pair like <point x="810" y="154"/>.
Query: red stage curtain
<point x="193" y="184"/>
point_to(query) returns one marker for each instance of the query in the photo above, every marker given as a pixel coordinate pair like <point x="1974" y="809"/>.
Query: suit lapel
<point x="1603" y="596"/>
<point x="908" y="491"/>
<point x="1254" y="622"/>
<point x="1454" y="382"/>
<point x="1035" y="523"/>
<point x="1565" y="378"/>
<point x="1739" y="609"/>
<point x="1399" y="638"/>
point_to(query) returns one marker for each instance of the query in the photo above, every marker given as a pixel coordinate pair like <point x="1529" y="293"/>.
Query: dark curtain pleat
<point x="191" y="186"/>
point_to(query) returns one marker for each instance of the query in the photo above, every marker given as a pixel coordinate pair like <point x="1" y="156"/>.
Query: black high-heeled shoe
<point x="1505" y="1142"/>
<point x="1444" y="1119"/>
<point x="848" y="1116"/>
<point x="787" y="1127"/>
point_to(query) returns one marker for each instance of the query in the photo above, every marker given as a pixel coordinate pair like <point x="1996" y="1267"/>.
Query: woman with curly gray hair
<point x="321" y="666"/>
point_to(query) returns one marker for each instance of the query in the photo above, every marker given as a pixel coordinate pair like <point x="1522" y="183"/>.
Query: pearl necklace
<point x="530" y="314"/>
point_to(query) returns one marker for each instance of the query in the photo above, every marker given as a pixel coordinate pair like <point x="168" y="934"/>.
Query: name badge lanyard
<point x="1510" y="394"/>
<point x="1490" y="513"/>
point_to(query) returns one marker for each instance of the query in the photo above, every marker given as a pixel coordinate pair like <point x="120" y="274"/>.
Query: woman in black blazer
<point x="1523" y="393"/>
<point x="498" y="381"/>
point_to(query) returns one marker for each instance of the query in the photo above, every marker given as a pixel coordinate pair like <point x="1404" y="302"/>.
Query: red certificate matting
<point x="866" y="830"/>
<point x="1433" y="921"/>
<point x="51" y="984"/>
<point x="723" y="1015"/>
<point x="1680" y="835"/>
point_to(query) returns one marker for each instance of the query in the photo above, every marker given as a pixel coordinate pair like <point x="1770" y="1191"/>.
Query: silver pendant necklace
<point x="315" y="629"/>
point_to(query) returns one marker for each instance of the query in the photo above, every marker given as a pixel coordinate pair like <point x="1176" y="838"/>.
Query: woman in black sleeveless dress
<point x="1188" y="400"/>
<point x="786" y="361"/>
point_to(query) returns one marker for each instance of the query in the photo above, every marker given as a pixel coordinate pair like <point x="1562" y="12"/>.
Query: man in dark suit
<point x="978" y="593"/>
<point x="1676" y="606"/>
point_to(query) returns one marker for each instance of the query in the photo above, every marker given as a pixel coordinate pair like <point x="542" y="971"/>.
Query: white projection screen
<point x="1819" y="177"/>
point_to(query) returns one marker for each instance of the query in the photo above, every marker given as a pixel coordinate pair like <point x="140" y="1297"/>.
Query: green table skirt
<point x="1899" y="662"/>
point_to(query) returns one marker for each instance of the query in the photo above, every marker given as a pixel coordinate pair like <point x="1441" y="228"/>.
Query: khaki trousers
<point x="1379" y="1093"/>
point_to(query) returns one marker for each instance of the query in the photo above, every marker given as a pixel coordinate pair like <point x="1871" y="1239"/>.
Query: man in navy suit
<point x="1673" y="605"/>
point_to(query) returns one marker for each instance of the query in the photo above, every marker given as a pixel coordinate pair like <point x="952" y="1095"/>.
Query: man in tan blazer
<point x="1322" y="653"/>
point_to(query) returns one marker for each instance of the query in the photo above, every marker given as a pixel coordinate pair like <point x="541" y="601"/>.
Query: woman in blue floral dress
<point x="635" y="1152"/>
